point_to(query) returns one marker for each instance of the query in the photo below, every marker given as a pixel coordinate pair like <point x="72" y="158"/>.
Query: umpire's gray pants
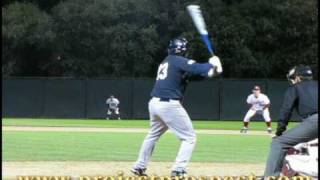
<point x="305" y="131"/>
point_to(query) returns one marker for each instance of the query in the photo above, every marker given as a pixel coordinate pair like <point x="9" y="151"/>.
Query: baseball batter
<point x="113" y="107"/>
<point x="165" y="108"/>
<point x="259" y="104"/>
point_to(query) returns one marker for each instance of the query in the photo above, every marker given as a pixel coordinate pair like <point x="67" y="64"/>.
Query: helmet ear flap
<point x="178" y="46"/>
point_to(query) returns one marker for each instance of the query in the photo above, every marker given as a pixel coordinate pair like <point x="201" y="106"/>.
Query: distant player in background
<point x="259" y="104"/>
<point x="113" y="107"/>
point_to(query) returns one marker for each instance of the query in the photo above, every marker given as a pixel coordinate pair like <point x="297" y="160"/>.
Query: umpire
<point x="302" y="95"/>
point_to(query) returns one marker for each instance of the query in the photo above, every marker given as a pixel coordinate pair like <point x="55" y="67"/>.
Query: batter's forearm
<point x="198" y="69"/>
<point x="190" y="77"/>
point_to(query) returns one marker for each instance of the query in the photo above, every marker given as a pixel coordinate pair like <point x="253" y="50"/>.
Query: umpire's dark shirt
<point x="303" y="97"/>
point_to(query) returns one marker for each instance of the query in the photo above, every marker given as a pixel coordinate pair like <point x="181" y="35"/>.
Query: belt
<point x="167" y="99"/>
<point x="308" y="115"/>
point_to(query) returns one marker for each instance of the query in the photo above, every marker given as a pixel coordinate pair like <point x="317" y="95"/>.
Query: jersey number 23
<point x="162" y="71"/>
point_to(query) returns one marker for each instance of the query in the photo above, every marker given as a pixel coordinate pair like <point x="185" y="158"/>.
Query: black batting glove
<point x="281" y="128"/>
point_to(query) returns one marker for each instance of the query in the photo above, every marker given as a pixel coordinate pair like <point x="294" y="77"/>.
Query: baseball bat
<point x="197" y="18"/>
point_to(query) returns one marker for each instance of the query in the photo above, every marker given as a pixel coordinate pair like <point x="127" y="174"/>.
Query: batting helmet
<point x="178" y="46"/>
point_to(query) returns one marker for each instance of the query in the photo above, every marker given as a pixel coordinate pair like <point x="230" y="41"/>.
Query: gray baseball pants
<point x="305" y="131"/>
<point x="163" y="116"/>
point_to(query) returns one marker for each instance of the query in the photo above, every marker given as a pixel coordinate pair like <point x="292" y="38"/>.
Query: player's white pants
<point x="265" y="113"/>
<point x="303" y="164"/>
<point x="168" y="115"/>
<point x="116" y="111"/>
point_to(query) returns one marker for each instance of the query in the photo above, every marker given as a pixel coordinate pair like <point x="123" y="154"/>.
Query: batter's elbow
<point x="210" y="73"/>
<point x="213" y="72"/>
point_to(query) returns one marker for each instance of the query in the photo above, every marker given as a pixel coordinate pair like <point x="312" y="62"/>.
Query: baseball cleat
<point x="244" y="130"/>
<point x="180" y="174"/>
<point x="139" y="171"/>
<point x="260" y="178"/>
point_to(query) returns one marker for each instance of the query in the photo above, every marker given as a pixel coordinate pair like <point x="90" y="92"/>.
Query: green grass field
<point x="225" y="125"/>
<point x="111" y="146"/>
<point x="84" y="146"/>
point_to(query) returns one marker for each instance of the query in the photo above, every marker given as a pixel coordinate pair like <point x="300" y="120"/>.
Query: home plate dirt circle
<point x="101" y="168"/>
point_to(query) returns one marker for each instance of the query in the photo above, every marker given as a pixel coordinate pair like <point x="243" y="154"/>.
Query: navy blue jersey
<point x="172" y="76"/>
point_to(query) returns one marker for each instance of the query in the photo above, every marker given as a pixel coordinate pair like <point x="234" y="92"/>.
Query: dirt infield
<point x="126" y="130"/>
<point x="94" y="168"/>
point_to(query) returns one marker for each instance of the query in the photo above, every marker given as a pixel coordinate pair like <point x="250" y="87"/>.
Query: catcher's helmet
<point x="178" y="46"/>
<point x="304" y="72"/>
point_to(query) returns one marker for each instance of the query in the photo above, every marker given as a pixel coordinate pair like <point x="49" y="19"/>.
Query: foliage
<point x="26" y="38"/>
<point x="128" y="38"/>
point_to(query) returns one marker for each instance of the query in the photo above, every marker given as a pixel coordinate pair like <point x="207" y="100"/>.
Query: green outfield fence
<point x="218" y="99"/>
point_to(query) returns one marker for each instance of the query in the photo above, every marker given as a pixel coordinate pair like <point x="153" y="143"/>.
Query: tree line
<point x="128" y="38"/>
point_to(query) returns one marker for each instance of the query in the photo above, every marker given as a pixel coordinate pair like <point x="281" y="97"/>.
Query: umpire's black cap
<point x="303" y="71"/>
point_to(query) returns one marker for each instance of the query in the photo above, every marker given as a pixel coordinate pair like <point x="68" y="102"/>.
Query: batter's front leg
<point x="156" y="130"/>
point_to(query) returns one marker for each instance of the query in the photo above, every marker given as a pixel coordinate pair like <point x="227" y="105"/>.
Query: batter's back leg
<point x="180" y="124"/>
